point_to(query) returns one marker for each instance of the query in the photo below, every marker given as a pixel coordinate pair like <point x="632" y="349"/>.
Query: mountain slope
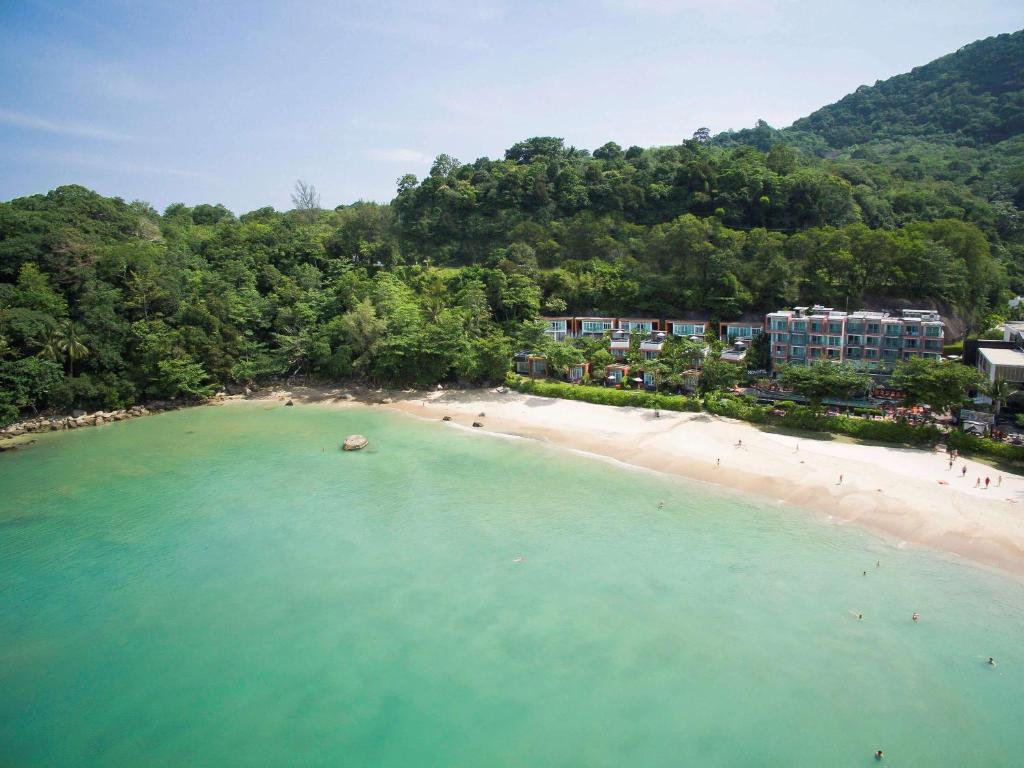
<point x="975" y="95"/>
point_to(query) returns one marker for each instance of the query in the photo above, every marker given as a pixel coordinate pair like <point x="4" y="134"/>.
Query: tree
<point x="998" y="392"/>
<point x="717" y="374"/>
<point x="306" y="201"/>
<point x="69" y="341"/>
<point x="942" y="385"/>
<point x="23" y="383"/>
<point x="824" y="379"/>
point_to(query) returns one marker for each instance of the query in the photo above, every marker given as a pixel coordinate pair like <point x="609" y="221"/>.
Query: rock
<point x="348" y="396"/>
<point x="481" y="415"/>
<point x="76" y="414"/>
<point x="477" y="424"/>
<point x="16" y="446"/>
<point x="289" y="403"/>
<point x="446" y="418"/>
<point x="354" y="443"/>
<point x="502" y="390"/>
<point x="386" y="401"/>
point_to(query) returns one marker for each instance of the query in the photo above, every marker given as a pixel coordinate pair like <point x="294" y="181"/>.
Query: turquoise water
<point x="211" y="587"/>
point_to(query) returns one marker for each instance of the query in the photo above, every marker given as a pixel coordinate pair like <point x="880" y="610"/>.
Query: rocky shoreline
<point x="78" y="419"/>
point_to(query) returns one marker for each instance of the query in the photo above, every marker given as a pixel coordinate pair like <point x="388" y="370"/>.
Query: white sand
<point x="904" y="493"/>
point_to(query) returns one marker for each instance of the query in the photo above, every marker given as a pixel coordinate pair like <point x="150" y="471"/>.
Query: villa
<point x="528" y="364"/>
<point x="879" y="339"/>
<point x="746" y="329"/>
<point x="652" y="346"/>
<point x="1004" y="361"/>
<point x="618" y="344"/>
<point x="687" y="328"/>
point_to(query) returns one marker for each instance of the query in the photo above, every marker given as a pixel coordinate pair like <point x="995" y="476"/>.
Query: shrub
<point x="983" y="446"/>
<point x="604" y="395"/>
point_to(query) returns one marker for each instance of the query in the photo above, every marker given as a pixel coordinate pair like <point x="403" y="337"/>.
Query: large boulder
<point x="354" y="443"/>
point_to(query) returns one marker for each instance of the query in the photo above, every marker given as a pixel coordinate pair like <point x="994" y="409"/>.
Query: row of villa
<point x="562" y="328"/>
<point x="797" y="336"/>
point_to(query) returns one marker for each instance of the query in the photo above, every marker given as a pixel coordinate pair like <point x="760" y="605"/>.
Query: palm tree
<point x="65" y="341"/>
<point x="51" y="348"/>
<point x="998" y="392"/>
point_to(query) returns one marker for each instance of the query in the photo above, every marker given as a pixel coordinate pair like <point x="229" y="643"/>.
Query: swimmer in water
<point x="991" y="662"/>
<point x="661" y="505"/>
<point x="916" y="617"/>
<point x="860" y="615"/>
<point x="518" y="559"/>
<point x="878" y="754"/>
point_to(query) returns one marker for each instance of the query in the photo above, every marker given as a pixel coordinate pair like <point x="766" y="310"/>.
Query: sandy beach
<point x="905" y="494"/>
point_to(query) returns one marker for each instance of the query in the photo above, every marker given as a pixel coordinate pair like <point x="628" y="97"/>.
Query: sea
<point x="223" y="586"/>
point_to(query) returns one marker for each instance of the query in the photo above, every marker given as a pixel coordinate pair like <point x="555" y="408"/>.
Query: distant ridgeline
<point x="908" y="192"/>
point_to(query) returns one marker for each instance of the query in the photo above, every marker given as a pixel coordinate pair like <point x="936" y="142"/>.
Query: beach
<point x="908" y="495"/>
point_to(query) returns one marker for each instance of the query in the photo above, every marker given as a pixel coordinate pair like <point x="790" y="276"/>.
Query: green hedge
<point x="605" y="395"/>
<point x="982" y="446"/>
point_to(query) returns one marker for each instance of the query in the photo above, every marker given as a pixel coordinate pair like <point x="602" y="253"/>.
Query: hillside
<point x="974" y="96"/>
<point x="103" y="303"/>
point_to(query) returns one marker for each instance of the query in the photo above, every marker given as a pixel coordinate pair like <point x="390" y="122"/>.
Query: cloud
<point x="108" y="165"/>
<point x="400" y="155"/>
<point x="80" y="130"/>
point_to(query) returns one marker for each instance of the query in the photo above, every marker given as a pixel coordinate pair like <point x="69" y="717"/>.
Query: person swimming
<point x="916" y="616"/>
<point x="878" y="754"/>
<point x="991" y="662"/>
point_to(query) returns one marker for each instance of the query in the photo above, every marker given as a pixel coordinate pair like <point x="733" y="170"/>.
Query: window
<point x="619" y="354"/>
<point x="873" y="341"/>
<point x="780" y="337"/>
<point x="910" y="344"/>
<point x="819" y="340"/>
<point x="933" y="330"/>
<point x="800" y="325"/>
<point x="648" y="379"/>
<point x="556" y="326"/>
<point x="933" y="344"/>
<point x="815" y="352"/>
<point x="780" y="351"/>
<point x="912" y="330"/>
<point x="835" y="341"/>
<point x="892" y="343"/>
<point x="650" y="354"/>
<point x="636" y="327"/>
<point x="799" y="353"/>
<point x="855" y="341"/>
<point x="835" y="326"/>
<point x="596" y="326"/>
<point x="890" y="354"/>
<point x="871" y="354"/>
<point x="780" y="324"/>
<point x="817" y="326"/>
<point x="893" y="330"/>
<point x="798" y="338"/>
<point x="692" y="329"/>
<point x="854" y="353"/>
<point x="540" y="367"/>
<point x="874" y="327"/>
<point x="522" y="367"/>
<point x="854" y="326"/>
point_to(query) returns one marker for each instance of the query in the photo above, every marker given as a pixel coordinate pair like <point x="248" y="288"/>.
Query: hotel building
<point x="877" y="339"/>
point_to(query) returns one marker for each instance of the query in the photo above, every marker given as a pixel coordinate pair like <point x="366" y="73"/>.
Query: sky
<point x="231" y="102"/>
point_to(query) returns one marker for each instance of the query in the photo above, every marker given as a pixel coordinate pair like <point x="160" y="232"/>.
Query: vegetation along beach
<point x="321" y="446"/>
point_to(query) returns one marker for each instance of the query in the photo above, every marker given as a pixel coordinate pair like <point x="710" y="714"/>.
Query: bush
<point x="604" y="395"/>
<point x="983" y="446"/>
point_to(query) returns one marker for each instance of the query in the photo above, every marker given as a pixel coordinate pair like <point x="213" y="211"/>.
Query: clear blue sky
<point x="231" y="102"/>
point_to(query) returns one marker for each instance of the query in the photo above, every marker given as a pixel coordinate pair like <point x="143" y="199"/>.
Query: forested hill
<point x="104" y="302"/>
<point x="975" y="96"/>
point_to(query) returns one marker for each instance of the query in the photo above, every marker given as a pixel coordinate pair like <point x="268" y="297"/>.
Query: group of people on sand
<point x="954" y="455"/>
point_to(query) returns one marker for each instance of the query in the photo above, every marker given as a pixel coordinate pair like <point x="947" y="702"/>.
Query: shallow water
<point x="223" y="586"/>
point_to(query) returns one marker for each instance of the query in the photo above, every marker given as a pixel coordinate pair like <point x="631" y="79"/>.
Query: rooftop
<point x="1003" y="356"/>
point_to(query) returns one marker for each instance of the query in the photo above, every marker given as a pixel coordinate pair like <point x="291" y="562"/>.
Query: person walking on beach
<point x="840" y="480"/>
<point x="977" y="482"/>
<point x="963" y="471"/>
<point x="999" y="481"/>
<point x="718" y="463"/>
<point x="987" y="481"/>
